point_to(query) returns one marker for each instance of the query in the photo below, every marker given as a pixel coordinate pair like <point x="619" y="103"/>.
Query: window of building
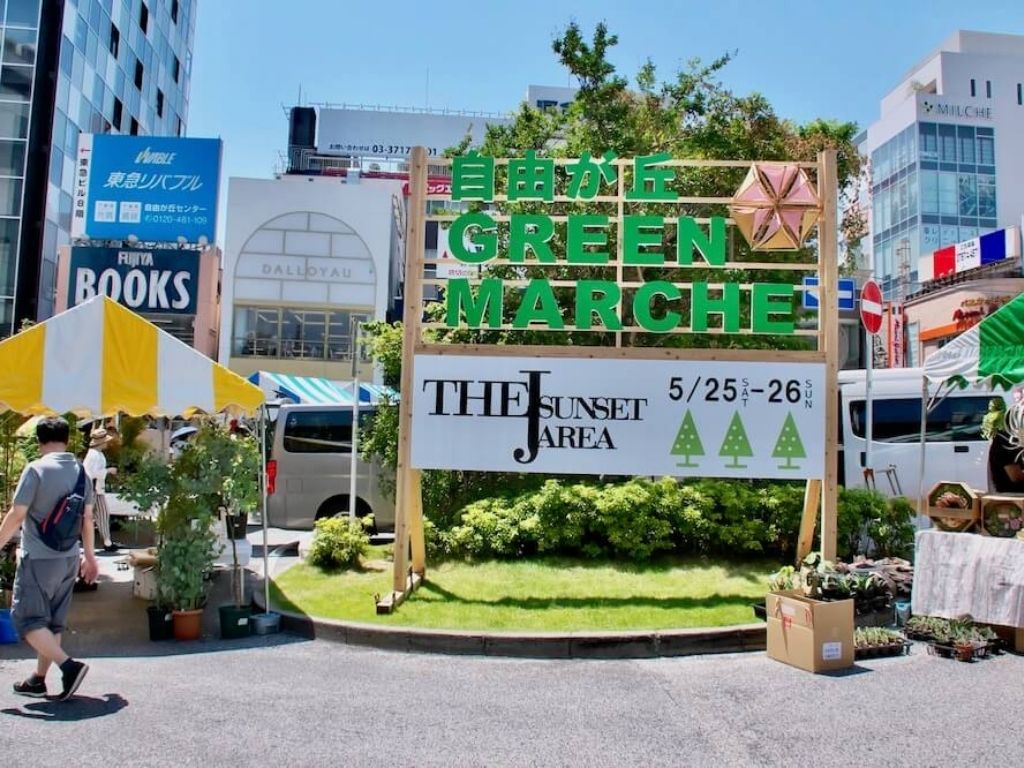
<point x="180" y="126"/>
<point x="295" y="333"/>
<point x="947" y="143"/>
<point x="986" y="150"/>
<point x="176" y="69"/>
<point x="988" y="89"/>
<point x="12" y="158"/>
<point x="20" y="46"/>
<point x="115" y="40"/>
<point x="139" y="73"/>
<point x="23" y="13"/>
<point x="8" y="254"/>
<point x="134" y="127"/>
<point x="968" y="194"/>
<point x="928" y="142"/>
<point x="174" y="11"/>
<point x="10" y="197"/>
<point x="948" y="194"/>
<point x="16" y="83"/>
<point x="974" y="89"/>
<point x="986" y="197"/>
<point x="144" y="18"/>
<point x="159" y="103"/>
<point x="1020" y="93"/>
<point x="13" y="120"/>
<point x="965" y="136"/>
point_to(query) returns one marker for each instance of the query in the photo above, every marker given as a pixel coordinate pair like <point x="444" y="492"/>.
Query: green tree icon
<point x="736" y="443"/>
<point x="687" y="442"/>
<point x="789" y="446"/>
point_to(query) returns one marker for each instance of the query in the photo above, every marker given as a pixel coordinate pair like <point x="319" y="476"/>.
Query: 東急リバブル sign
<point x="154" y="189"/>
<point x="152" y="281"/>
<point x="581" y="416"/>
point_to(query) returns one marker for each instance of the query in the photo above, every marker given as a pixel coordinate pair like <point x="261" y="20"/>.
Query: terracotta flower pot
<point x="188" y="625"/>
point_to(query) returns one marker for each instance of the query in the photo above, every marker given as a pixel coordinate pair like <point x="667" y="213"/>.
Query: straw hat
<point x="99" y="438"/>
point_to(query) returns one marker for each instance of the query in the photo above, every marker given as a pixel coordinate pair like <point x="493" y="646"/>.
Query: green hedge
<point x="640" y="518"/>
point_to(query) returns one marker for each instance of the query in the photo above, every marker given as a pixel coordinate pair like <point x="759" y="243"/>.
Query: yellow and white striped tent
<point x="100" y="358"/>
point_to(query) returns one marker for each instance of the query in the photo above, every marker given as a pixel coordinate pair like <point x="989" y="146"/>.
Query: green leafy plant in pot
<point x="215" y="472"/>
<point x="239" y="459"/>
<point x="186" y="554"/>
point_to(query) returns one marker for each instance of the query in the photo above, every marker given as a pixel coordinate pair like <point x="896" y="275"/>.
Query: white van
<point x="308" y="469"/>
<point x="955" y="449"/>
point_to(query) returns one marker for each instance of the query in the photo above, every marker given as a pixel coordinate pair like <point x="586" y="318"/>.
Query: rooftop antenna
<point x="426" y="95"/>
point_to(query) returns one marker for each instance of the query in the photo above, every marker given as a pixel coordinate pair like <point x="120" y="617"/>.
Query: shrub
<point x="893" y="531"/>
<point x="639" y="518"/>
<point x="339" y="542"/>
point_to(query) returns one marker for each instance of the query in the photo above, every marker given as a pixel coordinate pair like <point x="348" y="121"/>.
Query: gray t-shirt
<point x="43" y="484"/>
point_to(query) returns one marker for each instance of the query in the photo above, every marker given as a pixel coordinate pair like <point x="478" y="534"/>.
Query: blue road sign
<point x="847" y="293"/>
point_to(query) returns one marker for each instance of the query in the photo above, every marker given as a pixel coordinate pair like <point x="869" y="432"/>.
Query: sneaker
<point x="72" y="678"/>
<point x="33" y="686"/>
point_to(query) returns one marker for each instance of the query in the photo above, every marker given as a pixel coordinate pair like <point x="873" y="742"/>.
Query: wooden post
<point x="828" y="312"/>
<point x="408" y="506"/>
<point x="809" y="520"/>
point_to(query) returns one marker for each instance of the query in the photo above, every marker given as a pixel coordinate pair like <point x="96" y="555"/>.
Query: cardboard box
<point x="810" y="634"/>
<point x="144" y="587"/>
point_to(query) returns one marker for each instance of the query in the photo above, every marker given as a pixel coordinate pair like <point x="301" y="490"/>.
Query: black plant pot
<point x="161" y="625"/>
<point x="760" y="611"/>
<point x="234" y="622"/>
<point x="237" y="526"/>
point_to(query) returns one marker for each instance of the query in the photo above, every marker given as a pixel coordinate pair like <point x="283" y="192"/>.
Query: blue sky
<point x="825" y="58"/>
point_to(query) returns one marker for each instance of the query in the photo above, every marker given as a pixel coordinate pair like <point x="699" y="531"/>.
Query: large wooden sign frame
<point x="410" y="551"/>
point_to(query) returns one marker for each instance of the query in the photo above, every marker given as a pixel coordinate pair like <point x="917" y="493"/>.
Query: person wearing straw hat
<point x="96" y="468"/>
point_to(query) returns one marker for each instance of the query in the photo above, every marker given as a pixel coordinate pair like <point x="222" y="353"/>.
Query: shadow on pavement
<point x="76" y="708"/>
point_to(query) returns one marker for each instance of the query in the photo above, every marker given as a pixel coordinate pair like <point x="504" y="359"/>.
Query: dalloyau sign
<point x="157" y="281"/>
<point x="581" y="416"/>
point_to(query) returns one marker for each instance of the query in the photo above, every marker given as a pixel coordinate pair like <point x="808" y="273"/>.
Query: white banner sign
<point x="642" y="417"/>
<point x="377" y="133"/>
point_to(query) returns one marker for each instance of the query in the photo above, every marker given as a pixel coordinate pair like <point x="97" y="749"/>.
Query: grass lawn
<point x="546" y="595"/>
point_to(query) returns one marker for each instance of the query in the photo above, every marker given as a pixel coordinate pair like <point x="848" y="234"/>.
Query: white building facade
<point x="947" y="154"/>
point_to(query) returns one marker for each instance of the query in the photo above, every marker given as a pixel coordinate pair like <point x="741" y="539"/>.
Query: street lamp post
<point x="354" y="458"/>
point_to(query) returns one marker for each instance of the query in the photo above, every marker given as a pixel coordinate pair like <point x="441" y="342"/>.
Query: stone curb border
<point x="573" y="645"/>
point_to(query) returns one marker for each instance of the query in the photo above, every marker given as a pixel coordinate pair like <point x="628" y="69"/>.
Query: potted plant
<point x="232" y="462"/>
<point x="210" y="475"/>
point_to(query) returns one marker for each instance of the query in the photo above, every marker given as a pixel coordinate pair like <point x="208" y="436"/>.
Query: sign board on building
<point x="150" y="188"/>
<point x="381" y="133"/>
<point x="941" y="109"/>
<point x="149" y="281"/>
<point x="451" y="267"/>
<point x="580" y="416"/>
<point x="978" y="252"/>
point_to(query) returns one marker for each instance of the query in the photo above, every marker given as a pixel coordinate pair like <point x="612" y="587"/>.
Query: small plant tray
<point x="880" y="651"/>
<point x="949" y="652"/>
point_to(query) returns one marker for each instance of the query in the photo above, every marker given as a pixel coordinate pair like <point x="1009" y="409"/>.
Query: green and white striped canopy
<point x="991" y="352"/>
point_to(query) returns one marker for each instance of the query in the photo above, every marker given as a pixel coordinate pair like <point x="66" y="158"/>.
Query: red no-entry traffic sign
<point x="871" y="307"/>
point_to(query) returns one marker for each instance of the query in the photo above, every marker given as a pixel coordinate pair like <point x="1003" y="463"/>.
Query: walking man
<point x="96" y="468"/>
<point x="45" y="577"/>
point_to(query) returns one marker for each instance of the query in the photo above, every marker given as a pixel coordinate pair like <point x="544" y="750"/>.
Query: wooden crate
<point x="953" y="519"/>
<point x="993" y="524"/>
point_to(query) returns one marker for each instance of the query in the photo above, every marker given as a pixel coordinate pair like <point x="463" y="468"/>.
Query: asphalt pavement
<point x="289" y="702"/>
<point x="285" y="701"/>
